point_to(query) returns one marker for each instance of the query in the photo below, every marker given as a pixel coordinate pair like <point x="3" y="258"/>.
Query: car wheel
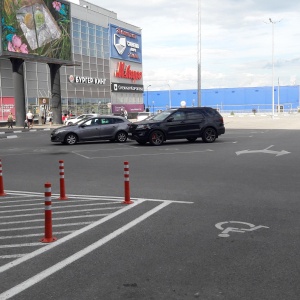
<point x="71" y="139"/>
<point x="121" y="137"/>
<point x="209" y="135"/>
<point x="191" y="139"/>
<point x="142" y="142"/>
<point x="156" y="138"/>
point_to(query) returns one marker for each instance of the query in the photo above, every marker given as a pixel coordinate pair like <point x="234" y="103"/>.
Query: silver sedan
<point x="102" y="127"/>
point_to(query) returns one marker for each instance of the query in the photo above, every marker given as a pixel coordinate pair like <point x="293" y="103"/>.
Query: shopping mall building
<point x="104" y="73"/>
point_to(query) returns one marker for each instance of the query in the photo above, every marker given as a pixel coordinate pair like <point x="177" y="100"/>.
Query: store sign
<point x="125" y="44"/>
<point x="88" y="80"/>
<point x="131" y="108"/>
<point x="126" y="88"/>
<point x="124" y="71"/>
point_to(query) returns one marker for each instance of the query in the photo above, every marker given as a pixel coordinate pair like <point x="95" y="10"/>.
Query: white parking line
<point x="144" y="154"/>
<point x="12" y="256"/>
<point x="44" y="274"/>
<point x="62" y="212"/>
<point x="54" y="219"/>
<point x="38" y="227"/>
<point x="21" y="245"/>
<point x="32" y="235"/>
<point x="63" y="206"/>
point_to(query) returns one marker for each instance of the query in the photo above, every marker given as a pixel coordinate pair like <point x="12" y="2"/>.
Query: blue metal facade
<point x="228" y="99"/>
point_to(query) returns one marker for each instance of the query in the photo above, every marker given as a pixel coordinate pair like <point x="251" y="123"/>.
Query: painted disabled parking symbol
<point x="239" y="228"/>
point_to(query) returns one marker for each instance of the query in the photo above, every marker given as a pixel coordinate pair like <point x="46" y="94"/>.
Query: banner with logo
<point x="126" y="88"/>
<point x="125" y="44"/>
<point x="131" y="108"/>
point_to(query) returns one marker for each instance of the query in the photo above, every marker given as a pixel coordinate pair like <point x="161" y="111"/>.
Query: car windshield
<point x="82" y="116"/>
<point x="82" y="120"/>
<point x="161" y="116"/>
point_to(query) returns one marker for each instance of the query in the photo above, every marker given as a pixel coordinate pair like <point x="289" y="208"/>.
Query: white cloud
<point x="236" y="41"/>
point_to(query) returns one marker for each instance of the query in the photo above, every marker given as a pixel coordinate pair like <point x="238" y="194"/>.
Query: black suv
<point x="182" y="123"/>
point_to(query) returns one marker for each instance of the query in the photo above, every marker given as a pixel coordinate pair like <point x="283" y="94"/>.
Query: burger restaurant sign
<point x="88" y="80"/>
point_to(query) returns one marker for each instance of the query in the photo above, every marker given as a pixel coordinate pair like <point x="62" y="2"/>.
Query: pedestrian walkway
<point x="283" y="121"/>
<point x="5" y="129"/>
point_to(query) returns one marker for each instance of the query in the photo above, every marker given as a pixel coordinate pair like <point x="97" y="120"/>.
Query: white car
<point x="143" y="115"/>
<point x="72" y="121"/>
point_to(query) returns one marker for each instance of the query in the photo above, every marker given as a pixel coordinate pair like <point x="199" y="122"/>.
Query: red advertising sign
<point x="7" y="105"/>
<point x="124" y="71"/>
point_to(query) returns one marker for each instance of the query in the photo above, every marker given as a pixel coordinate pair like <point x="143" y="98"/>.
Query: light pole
<point x="199" y="53"/>
<point x="147" y="95"/>
<point x="273" y="23"/>
<point x="170" y="101"/>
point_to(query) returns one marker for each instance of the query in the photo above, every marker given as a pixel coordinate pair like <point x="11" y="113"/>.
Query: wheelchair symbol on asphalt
<point x="225" y="231"/>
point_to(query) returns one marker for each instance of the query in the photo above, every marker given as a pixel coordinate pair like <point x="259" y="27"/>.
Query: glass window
<point x="99" y="34"/>
<point x="76" y="34"/>
<point x="83" y="23"/>
<point x="76" y="42"/>
<point x="99" y="53"/>
<point x="179" y="116"/>
<point x="32" y="101"/>
<point x="106" y="121"/>
<point x="76" y="21"/>
<point x="84" y="36"/>
<point x="194" y="114"/>
<point x="105" y="42"/>
<point x="76" y="27"/>
<point x="91" y="31"/>
<point x="99" y="41"/>
<point x="92" y="52"/>
<point x="84" y="51"/>
<point x="118" y="120"/>
<point x="76" y="50"/>
<point x="92" y="45"/>
<point x="84" y="29"/>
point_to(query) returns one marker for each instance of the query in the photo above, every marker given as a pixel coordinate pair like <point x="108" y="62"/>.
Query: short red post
<point x="48" y="216"/>
<point x="2" y="193"/>
<point x="62" y="181"/>
<point x="126" y="183"/>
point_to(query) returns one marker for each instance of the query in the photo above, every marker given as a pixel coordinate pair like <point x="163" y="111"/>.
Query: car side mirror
<point x="171" y="119"/>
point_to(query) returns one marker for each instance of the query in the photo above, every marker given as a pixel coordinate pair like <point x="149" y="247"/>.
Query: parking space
<point x="22" y="219"/>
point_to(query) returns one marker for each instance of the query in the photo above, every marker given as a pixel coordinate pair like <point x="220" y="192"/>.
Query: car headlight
<point x="143" y="126"/>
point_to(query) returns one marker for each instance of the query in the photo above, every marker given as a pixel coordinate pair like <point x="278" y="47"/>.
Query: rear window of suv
<point x="194" y="114"/>
<point x="210" y="112"/>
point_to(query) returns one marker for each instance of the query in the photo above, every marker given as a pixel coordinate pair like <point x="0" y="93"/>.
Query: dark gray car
<point x="102" y="127"/>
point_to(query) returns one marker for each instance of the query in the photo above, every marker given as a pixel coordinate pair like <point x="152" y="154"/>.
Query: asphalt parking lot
<point x="209" y="221"/>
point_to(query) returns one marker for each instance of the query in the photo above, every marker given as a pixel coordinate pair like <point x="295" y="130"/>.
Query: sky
<point x="235" y="41"/>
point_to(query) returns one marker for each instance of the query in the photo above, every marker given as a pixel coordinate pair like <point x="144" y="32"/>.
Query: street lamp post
<point x="147" y="95"/>
<point x="199" y="53"/>
<point x="273" y="23"/>
<point x="272" y="66"/>
<point x="170" y="101"/>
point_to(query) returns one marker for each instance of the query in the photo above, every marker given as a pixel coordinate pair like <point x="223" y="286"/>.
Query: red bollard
<point x="2" y="193"/>
<point x="62" y="181"/>
<point x="48" y="216"/>
<point x="126" y="183"/>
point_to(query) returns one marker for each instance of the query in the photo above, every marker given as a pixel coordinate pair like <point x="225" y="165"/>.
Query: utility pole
<point x="199" y="53"/>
